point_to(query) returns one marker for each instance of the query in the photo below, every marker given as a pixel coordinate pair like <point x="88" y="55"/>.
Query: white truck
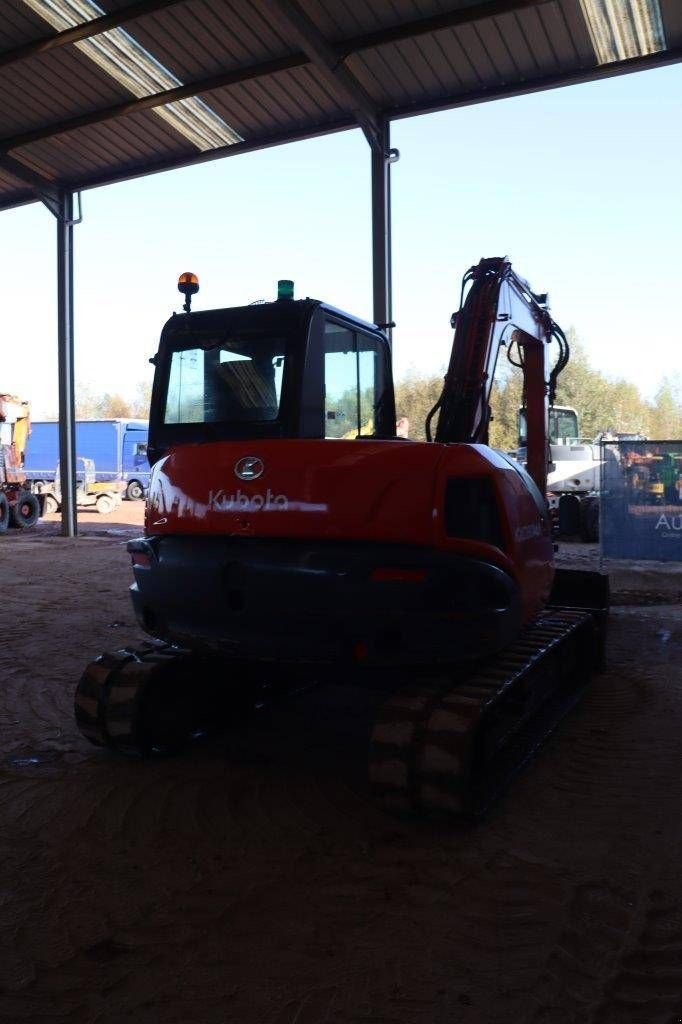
<point x="573" y="478"/>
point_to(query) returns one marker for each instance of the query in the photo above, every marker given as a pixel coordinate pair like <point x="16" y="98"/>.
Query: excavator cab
<point x="282" y="370"/>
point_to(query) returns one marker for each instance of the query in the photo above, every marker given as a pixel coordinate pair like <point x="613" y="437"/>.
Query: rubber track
<point x="108" y="696"/>
<point x="448" y="747"/>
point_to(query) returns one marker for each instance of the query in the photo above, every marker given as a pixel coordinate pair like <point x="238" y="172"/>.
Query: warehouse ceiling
<point x="97" y="92"/>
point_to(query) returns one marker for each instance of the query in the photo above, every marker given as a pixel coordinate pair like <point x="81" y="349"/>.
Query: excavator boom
<point x="498" y="309"/>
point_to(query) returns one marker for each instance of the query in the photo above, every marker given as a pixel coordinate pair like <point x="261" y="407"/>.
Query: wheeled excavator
<point x="290" y="534"/>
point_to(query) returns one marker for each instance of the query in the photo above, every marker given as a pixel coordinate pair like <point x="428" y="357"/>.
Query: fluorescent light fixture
<point x="622" y="29"/>
<point x="122" y="57"/>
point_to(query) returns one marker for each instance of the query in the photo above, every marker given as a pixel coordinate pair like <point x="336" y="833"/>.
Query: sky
<point x="579" y="186"/>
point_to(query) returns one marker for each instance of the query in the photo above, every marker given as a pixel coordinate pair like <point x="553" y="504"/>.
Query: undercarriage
<point x="447" y="740"/>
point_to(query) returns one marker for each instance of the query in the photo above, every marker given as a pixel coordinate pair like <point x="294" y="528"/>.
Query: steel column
<point x="382" y="156"/>
<point x="67" y="413"/>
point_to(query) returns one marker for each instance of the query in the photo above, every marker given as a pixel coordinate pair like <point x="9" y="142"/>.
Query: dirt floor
<point x="253" y="880"/>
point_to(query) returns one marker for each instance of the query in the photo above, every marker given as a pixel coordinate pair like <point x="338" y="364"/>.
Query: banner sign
<point x="641" y="500"/>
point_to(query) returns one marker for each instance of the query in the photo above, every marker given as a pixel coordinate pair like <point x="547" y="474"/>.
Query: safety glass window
<point x="234" y="381"/>
<point x="353" y="374"/>
<point x="563" y="426"/>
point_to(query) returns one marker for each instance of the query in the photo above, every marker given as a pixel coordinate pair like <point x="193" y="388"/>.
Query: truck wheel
<point x="590" y="520"/>
<point x="104" y="504"/>
<point x="134" y="491"/>
<point x="26" y="512"/>
<point x="4" y="513"/>
<point x="51" y="504"/>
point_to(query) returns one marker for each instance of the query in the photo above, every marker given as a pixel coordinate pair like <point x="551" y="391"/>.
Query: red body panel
<point x="354" y="491"/>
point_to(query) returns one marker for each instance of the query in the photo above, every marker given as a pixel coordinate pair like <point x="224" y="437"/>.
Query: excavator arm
<point x="498" y="309"/>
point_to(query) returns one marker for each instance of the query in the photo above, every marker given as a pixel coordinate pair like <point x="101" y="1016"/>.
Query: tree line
<point x="111" y="405"/>
<point x="602" y="404"/>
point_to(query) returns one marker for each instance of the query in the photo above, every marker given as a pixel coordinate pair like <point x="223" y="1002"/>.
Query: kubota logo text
<point x="220" y="501"/>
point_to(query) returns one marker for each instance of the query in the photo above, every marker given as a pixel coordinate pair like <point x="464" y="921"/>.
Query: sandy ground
<point x="253" y="880"/>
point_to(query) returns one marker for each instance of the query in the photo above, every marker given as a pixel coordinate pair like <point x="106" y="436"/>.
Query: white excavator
<point x="574" y="472"/>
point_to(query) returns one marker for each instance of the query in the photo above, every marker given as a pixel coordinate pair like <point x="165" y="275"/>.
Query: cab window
<point x="235" y="380"/>
<point x="353" y="382"/>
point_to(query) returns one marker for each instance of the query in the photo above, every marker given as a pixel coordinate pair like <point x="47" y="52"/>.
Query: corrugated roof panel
<point x="243" y="109"/>
<point x="508" y="48"/>
<point x="15" y="197"/>
<point x="535" y="33"/>
<point x="379" y="73"/>
<point x="20" y="25"/>
<point x="286" y="100"/>
<point x="481" y="60"/>
<point x="209" y="37"/>
<point x="494" y="38"/>
<point x="51" y="87"/>
<point x="342" y="18"/>
<point x="671" y="10"/>
<point x="417" y="72"/>
<point x="307" y="84"/>
<point x="92" y="150"/>
<point x="515" y="38"/>
<point x="197" y="38"/>
<point x="451" y="61"/>
<point x="563" y="40"/>
<point x="577" y="28"/>
<point x="264" y="107"/>
<point x="9" y="184"/>
<point x="339" y="18"/>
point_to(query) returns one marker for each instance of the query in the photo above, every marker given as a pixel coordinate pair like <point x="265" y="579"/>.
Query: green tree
<point x="139" y="406"/>
<point x="666" y="415"/>
<point x="601" y="403"/>
<point x="415" y="396"/>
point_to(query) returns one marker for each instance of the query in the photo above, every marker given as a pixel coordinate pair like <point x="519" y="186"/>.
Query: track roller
<point x="448" y="747"/>
<point x="145" y="700"/>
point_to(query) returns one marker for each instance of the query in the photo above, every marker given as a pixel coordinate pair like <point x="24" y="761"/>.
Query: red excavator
<point x="290" y="533"/>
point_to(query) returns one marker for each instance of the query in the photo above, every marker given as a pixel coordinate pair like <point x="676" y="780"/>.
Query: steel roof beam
<point x="157" y="99"/>
<point x="541" y="83"/>
<point x="434" y="23"/>
<point x="85" y="30"/>
<point x="194" y="159"/>
<point x="450" y="102"/>
<point x="344" y="48"/>
<point x="293" y="23"/>
<point x="334" y="53"/>
<point x="41" y="187"/>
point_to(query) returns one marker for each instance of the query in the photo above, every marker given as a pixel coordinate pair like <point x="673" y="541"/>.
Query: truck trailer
<point x="118" y="447"/>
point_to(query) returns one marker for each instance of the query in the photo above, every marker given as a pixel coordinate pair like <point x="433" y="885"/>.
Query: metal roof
<point x="246" y="74"/>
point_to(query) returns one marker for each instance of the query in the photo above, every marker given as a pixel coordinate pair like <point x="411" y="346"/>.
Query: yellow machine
<point x="18" y="506"/>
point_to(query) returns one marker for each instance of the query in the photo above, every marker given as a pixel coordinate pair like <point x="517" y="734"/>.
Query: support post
<point x="67" y="414"/>
<point x="382" y="157"/>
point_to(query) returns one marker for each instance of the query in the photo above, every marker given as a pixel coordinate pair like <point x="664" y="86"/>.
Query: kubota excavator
<point x="289" y="532"/>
